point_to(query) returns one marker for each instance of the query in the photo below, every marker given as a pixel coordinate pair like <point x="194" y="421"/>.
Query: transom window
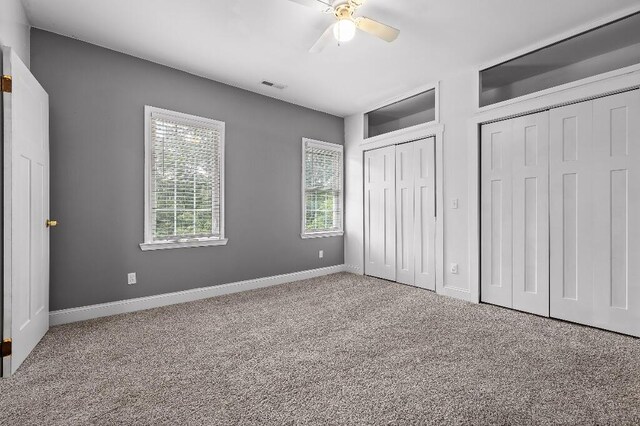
<point x="184" y="180"/>
<point x="322" y="184"/>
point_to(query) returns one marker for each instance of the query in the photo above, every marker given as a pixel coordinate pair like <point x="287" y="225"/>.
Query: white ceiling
<point x="242" y="42"/>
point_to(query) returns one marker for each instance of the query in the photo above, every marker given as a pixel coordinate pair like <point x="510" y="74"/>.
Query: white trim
<point x="331" y="146"/>
<point x="149" y="243"/>
<point x="65" y="316"/>
<point x="546" y="43"/>
<point x="322" y="234"/>
<point x="7" y="187"/>
<point x="323" y="144"/>
<point x="201" y="242"/>
<point x="405" y="95"/>
<point x="409" y="134"/>
<point x="353" y="269"/>
<point x="439" y="255"/>
<point x="598" y="86"/>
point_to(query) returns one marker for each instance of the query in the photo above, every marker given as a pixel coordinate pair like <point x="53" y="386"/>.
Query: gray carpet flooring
<point x="341" y="349"/>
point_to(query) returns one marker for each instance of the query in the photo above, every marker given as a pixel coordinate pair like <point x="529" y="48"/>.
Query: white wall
<point x="457" y="106"/>
<point x="458" y="99"/>
<point x="354" y="194"/>
<point x="14" y="29"/>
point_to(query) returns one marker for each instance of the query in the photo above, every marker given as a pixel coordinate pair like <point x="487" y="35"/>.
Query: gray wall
<point x="97" y="191"/>
<point x="14" y="28"/>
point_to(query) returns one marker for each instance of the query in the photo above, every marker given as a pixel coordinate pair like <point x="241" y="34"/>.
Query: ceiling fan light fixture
<point x="344" y="30"/>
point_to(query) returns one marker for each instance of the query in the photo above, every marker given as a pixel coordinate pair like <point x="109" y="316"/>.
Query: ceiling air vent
<point x="272" y="84"/>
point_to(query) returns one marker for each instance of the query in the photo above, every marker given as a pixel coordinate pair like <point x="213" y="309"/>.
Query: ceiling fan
<point x="345" y="29"/>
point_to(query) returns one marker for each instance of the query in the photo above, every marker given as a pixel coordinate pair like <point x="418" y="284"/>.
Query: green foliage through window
<point x="185" y="196"/>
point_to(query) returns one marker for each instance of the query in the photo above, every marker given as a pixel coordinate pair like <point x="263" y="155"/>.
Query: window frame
<point x="149" y="243"/>
<point x="325" y="145"/>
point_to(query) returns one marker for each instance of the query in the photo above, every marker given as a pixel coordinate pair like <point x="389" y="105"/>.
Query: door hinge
<point x="5" y="84"/>
<point x="6" y="347"/>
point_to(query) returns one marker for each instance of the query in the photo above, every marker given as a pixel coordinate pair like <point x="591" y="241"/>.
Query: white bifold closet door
<point x="380" y="212"/>
<point x="495" y="214"/>
<point x="595" y="212"/>
<point x="400" y="213"/>
<point x="415" y="213"/>
<point x="531" y="213"/>
<point x="515" y="213"/>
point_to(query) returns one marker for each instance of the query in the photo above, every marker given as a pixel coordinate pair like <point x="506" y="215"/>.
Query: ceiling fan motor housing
<point x="345" y="29"/>
<point x="344" y="11"/>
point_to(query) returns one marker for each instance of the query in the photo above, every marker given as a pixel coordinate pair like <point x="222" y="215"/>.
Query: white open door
<point x="26" y="211"/>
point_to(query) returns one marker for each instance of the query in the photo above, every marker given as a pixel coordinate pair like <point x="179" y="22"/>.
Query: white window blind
<point x="322" y="188"/>
<point x="184" y="179"/>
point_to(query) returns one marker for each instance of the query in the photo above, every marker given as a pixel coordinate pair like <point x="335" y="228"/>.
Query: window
<point x="184" y="180"/>
<point x="321" y="189"/>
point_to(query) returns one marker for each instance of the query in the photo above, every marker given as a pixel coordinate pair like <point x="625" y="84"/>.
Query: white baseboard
<point x="65" y="316"/>
<point x="354" y="269"/>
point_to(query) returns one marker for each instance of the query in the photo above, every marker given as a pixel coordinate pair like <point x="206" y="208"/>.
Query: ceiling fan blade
<point x="323" y="41"/>
<point x="377" y="29"/>
<point x="357" y="3"/>
<point x="319" y="5"/>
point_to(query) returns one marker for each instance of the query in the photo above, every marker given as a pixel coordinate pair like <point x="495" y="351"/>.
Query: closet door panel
<point x="571" y="219"/>
<point x="616" y="209"/>
<point x="405" y="171"/>
<point x="425" y="213"/>
<point x="379" y="198"/>
<point x="495" y="212"/>
<point x="530" y="173"/>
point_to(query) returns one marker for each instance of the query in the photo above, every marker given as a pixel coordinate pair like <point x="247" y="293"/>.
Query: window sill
<point x="162" y="245"/>
<point x="322" y="234"/>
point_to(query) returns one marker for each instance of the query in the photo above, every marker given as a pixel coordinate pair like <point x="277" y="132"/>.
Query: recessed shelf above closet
<point x="408" y="112"/>
<point x="606" y="48"/>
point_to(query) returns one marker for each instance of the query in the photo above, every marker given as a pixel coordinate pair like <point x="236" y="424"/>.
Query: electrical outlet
<point x="131" y="278"/>
<point x="454" y="268"/>
<point x="454" y="203"/>
<point x="321" y="254"/>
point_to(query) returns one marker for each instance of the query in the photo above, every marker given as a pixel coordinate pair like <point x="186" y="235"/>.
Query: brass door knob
<point x="52" y="223"/>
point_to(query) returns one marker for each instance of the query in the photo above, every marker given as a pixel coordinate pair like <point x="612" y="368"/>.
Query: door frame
<point x="2" y="288"/>
<point x="5" y="184"/>
<point x="606" y="84"/>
